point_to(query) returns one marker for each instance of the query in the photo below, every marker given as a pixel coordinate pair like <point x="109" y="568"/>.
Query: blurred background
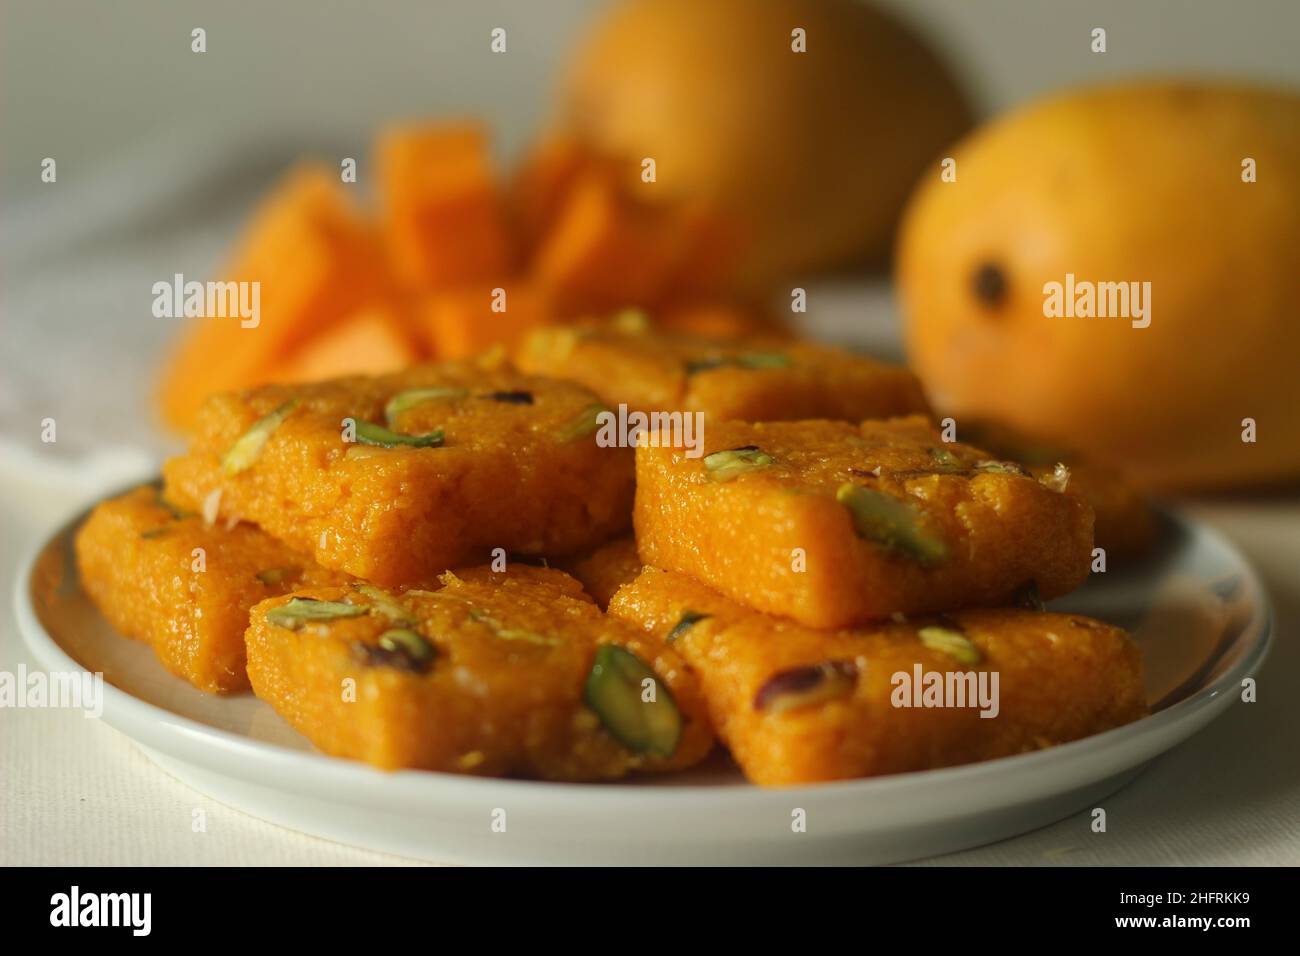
<point x="99" y="81"/>
<point x="162" y="154"/>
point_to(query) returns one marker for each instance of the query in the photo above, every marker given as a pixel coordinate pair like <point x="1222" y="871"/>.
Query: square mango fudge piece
<point x="798" y="705"/>
<point x="138" y="563"/>
<point x="397" y="478"/>
<point x="835" y="524"/>
<point x="515" y="673"/>
<point x="755" y="378"/>
<point x="1124" y="525"/>
<point x="608" y="568"/>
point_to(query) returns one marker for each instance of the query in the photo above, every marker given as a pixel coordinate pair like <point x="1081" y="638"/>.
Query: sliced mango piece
<point x="606" y="251"/>
<point x="371" y="342"/>
<point x="316" y="261"/>
<point x="465" y="321"/>
<point x="443" y="213"/>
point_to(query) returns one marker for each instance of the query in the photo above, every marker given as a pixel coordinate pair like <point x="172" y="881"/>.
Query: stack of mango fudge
<point x="433" y="570"/>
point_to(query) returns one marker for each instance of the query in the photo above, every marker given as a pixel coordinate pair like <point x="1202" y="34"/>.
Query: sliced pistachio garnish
<point x="1002" y="468"/>
<point x="510" y="633"/>
<point x="249" y="445"/>
<point x="616" y="691"/>
<point x="1027" y="597"/>
<point x="806" y="686"/>
<point x="517" y="397"/>
<point x="368" y="433"/>
<point x="631" y="321"/>
<point x="688" y="620"/>
<point x="402" y="648"/>
<point x="585" y="423"/>
<point x="157" y="532"/>
<point x="418" y="396"/>
<point x="890" y="523"/>
<point x="385" y="603"/>
<point x="945" y="458"/>
<point x="764" y="360"/>
<point x="299" y="611"/>
<point x="950" y="642"/>
<point x="726" y="465"/>
<point x="696" y="366"/>
<point x="749" y="360"/>
<point x="272" y="577"/>
<point x="552" y="344"/>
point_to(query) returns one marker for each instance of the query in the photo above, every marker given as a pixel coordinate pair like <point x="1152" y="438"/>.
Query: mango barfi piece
<point x="715" y="319"/>
<point x="510" y="674"/>
<point x="799" y="705"/>
<point x="835" y="524"/>
<point x="443" y="211"/>
<point x="608" y="568"/>
<point x="185" y="587"/>
<point x="1125" y="525"/>
<point x="754" y="378"/>
<point x="314" y="259"/>
<point x="397" y="478"/>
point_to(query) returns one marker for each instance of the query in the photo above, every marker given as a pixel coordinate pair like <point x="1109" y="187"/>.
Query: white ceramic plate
<point x="1195" y="606"/>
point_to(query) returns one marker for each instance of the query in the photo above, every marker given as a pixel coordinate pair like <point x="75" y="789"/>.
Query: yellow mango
<point x="1191" y="190"/>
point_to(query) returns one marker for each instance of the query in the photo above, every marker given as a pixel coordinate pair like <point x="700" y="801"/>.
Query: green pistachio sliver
<point x="275" y="576"/>
<point x="300" y="611"/>
<point x="585" y="423"/>
<point x="157" y="532"/>
<point x="418" y="396"/>
<point x="705" y="365"/>
<point x="890" y="523"/>
<point x="726" y="465"/>
<point x="950" y="642"/>
<point x="747" y="360"/>
<point x="249" y="445"/>
<point x="614" y="690"/>
<point x="631" y="321"/>
<point x="368" y="433"/>
<point x="1002" y="468"/>
<point x="945" y="457"/>
<point x="528" y="637"/>
<point x="406" y="642"/>
<point x="764" y="360"/>
<point x="385" y="603"/>
<point x="510" y="633"/>
<point x="688" y="620"/>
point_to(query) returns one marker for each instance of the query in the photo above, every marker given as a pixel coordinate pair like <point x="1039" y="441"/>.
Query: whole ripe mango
<point x="812" y="152"/>
<point x="1144" y="183"/>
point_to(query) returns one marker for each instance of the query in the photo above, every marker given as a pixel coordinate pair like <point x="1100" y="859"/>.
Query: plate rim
<point x="176" y="731"/>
